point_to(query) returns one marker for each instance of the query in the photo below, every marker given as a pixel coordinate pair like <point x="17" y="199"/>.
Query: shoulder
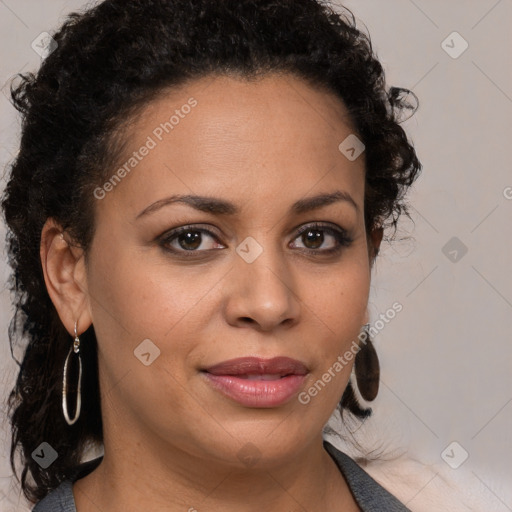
<point x="368" y="493"/>
<point x="61" y="499"/>
<point x="434" y="486"/>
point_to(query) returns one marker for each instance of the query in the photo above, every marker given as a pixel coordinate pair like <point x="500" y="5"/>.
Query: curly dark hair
<point x="110" y="61"/>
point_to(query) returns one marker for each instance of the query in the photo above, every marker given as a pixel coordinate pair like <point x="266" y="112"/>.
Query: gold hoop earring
<point x="76" y="348"/>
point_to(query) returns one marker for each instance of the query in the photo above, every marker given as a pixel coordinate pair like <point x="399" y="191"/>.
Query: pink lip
<point x="284" y="377"/>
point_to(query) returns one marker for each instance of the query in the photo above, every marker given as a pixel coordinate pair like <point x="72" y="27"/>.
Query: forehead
<point x="234" y="137"/>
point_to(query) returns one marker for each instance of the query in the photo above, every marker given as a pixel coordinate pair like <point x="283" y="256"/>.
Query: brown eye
<point x="315" y="236"/>
<point x="189" y="239"/>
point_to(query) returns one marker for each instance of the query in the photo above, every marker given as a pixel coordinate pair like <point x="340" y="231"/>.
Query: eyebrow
<point x="222" y="207"/>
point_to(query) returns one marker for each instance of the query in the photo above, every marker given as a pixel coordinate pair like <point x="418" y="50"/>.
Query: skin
<point x="171" y="441"/>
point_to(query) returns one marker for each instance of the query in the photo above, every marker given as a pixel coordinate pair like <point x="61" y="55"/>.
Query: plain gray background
<point x="446" y="359"/>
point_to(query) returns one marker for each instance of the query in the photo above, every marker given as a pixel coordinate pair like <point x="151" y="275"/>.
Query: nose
<point x="262" y="294"/>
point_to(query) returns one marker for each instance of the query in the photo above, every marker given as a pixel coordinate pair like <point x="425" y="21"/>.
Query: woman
<point x="200" y="194"/>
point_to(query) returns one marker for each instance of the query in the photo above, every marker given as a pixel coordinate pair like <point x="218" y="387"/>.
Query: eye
<point x="191" y="240"/>
<point x="188" y="239"/>
<point x="314" y="236"/>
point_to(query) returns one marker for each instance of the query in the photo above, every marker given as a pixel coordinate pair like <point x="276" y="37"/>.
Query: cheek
<point x="129" y="304"/>
<point x="133" y="302"/>
<point x="339" y="301"/>
<point x="337" y="310"/>
<point x="141" y="297"/>
<point x="136" y="299"/>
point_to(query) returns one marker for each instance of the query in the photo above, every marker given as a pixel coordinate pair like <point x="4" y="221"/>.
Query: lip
<point x="257" y="382"/>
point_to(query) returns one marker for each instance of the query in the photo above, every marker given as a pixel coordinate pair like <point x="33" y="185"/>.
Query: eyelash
<point x="340" y="235"/>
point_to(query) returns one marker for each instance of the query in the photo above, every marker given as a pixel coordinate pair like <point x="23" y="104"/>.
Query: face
<point x="255" y="269"/>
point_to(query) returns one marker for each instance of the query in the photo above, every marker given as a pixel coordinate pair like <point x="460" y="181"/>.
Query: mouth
<point x="254" y="367"/>
<point x="256" y="382"/>
<point x="264" y="376"/>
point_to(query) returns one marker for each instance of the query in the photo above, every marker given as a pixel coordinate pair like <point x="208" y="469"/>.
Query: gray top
<point x="369" y="495"/>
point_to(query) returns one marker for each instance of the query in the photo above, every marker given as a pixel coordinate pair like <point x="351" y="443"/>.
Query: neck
<point x="135" y="476"/>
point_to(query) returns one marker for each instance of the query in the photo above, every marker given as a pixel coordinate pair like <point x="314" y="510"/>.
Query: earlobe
<point x="65" y="277"/>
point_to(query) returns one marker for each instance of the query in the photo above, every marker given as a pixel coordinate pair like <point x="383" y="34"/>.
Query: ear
<point x="65" y="277"/>
<point x="375" y="240"/>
